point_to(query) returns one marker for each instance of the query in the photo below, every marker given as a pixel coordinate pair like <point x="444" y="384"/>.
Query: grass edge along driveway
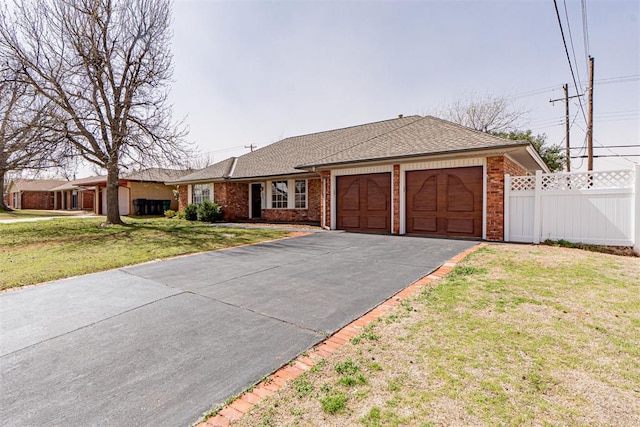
<point x="514" y="335"/>
<point x="37" y="252"/>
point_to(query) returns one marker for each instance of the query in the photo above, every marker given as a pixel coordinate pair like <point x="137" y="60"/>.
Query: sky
<point x="254" y="72"/>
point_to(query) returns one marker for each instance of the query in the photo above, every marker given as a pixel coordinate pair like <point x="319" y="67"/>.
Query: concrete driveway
<point x="161" y="343"/>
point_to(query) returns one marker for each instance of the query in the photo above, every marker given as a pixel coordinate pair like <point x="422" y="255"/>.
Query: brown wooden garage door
<point x="364" y="203"/>
<point x="445" y="202"/>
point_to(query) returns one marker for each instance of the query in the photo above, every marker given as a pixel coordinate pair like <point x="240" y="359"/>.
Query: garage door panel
<point x="376" y="196"/>
<point x="425" y="224"/>
<point x="350" y="195"/>
<point x="364" y="202"/>
<point x="459" y="196"/>
<point x="350" y="222"/>
<point x="445" y="202"/>
<point x="377" y="222"/>
<point x="425" y="199"/>
<point x="460" y="225"/>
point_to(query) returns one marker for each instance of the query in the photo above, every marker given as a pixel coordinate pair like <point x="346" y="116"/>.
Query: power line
<point x="566" y="50"/>
<point x="585" y="31"/>
<point x="575" y="60"/>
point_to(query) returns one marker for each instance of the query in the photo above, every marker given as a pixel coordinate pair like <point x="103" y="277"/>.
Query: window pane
<point x="201" y="192"/>
<point x="301" y="194"/>
<point x="279" y="194"/>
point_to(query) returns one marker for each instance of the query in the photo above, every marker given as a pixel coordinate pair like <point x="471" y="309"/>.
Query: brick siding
<point x="183" y="196"/>
<point x="311" y="214"/>
<point x="326" y="200"/>
<point x="497" y="167"/>
<point x="234" y="199"/>
<point x="396" y="199"/>
<point x="36" y="200"/>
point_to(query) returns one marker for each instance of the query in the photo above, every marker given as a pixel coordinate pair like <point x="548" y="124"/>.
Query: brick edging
<point x="302" y="363"/>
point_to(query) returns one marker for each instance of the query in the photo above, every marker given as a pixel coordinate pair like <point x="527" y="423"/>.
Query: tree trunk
<point x="3" y="205"/>
<point x="113" y="206"/>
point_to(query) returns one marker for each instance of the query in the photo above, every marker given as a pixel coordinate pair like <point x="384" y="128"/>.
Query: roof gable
<point x="21" y="184"/>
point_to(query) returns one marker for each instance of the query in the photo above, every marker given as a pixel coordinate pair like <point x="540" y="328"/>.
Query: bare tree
<point x="25" y="142"/>
<point x="106" y="67"/>
<point x="484" y="113"/>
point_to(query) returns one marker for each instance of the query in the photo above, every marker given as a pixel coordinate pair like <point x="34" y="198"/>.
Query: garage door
<point x="445" y="202"/>
<point x="364" y="203"/>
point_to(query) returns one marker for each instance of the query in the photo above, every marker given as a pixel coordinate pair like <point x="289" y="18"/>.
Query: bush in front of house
<point x="208" y="211"/>
<point x="169" y="213"/>
<point x="191" y="212"/>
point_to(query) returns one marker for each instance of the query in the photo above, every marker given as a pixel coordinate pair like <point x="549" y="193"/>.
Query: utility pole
<point x="566" y="124"/>
<point x="590" y="117"/>
<point x="251" y="147"/>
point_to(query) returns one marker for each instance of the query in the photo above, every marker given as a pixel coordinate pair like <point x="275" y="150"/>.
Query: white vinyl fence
<point x="601" y="208"/>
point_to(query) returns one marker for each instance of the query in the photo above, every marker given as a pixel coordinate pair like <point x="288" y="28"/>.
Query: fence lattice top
<point x="523" y="183"/>
<point x="575" y="181"/>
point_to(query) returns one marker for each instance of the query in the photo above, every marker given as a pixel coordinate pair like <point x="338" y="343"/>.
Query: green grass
<point x="514" y="335"/>
<point x="33" y="213"/>
<point x="39" y="251"/>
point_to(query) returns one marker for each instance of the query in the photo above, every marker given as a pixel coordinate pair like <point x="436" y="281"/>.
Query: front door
<point x="256" y="200"/>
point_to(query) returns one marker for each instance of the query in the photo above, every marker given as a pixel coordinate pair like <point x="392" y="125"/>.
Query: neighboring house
<point x="74" y="195"/>
<point x="32" y="193"/>
<point x="146" y="184"/>
<point x="410" y="175"/>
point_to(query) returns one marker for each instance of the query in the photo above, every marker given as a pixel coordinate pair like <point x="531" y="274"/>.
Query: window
<point x="301" y="194"/>
<point x="279" y="194"/>
<point x="201" y="192"/>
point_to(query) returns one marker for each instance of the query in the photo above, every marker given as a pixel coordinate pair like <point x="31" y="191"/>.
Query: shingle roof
<point x="395" y="138"/>
<point x="426" y="136"/>
<point x="217" y="170"/>
<point x="155" y="175"/>
<point x="35" y="184"/>
<point x="70" y="185"/>
<point x="282" y="157"/>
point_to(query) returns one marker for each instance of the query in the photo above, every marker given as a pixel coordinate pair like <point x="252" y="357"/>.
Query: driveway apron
<point x="161" y="343"/>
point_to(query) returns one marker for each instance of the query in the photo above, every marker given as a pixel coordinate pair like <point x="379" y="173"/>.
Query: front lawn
<point x="515" y="335"/>
<point x="35" y="213"/>
<point x="35" y="252"/>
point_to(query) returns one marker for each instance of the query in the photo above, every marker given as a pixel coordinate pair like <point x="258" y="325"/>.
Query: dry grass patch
<point x="515" y="335"/>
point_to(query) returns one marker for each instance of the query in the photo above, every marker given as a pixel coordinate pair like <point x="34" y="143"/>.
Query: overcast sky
<point x="256" y="72"/>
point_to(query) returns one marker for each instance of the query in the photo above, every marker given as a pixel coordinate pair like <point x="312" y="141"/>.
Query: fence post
<point x="537" y="208"/>
<point x="636" y="213"/>
<point x="507" y="192"/>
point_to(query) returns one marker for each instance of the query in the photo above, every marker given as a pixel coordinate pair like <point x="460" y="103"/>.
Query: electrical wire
<point x="566" y="50"/>
<point x="585" y="31"/>
<point x="575" y="60"/>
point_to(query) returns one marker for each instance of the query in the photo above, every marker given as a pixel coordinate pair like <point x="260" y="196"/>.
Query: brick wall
<point x="326" y="200"/>
<point x="311" y="214"/>
<point x="183" y="196"/>
<point x="37" y="200"/>
<point x="234" y="199"/>
<point x="497" y="167"/>
<point x="396" y="199"/>
<point x="86" y="200"/>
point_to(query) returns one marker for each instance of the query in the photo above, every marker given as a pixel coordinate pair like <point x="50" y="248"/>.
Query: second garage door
<point x="364" y="202"/>
<point x="445" y="202"/>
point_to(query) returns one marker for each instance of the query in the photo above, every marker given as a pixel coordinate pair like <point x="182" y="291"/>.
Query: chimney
<point x="400" y="116"/>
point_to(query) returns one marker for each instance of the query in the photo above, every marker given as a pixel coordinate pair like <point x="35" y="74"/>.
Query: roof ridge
<point x="374" y="137"/>
<point x="338" y="129"/>
<point x="467" y="128"/>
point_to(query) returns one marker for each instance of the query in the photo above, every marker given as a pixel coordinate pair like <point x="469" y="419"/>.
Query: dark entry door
<point x="256" y="200"/>
<point x="445" y="202"/>
<point x="364" y="203"/>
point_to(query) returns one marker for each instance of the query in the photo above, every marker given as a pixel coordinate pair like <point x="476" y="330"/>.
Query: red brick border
<point x="302" y="363"/>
